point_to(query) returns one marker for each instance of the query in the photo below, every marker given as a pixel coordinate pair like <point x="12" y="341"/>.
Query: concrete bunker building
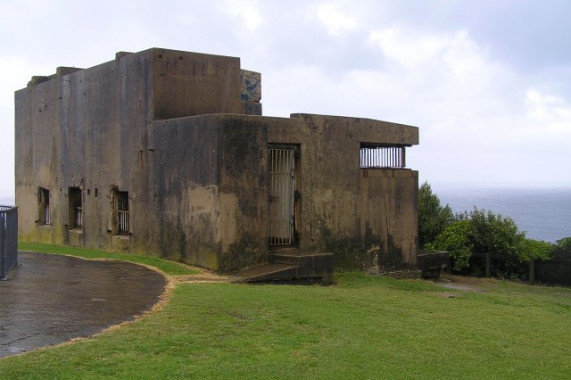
<point x="165" y="152"/>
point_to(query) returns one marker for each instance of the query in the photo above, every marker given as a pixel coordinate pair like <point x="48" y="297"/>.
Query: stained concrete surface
<point x="49" y="299"/>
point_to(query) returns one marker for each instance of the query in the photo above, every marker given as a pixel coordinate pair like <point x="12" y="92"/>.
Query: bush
<point x="483" y="232"/>
<point x="535" y="250"/>
<point x="495" y="234"/>
<point x="480" y="232"/>
<point x="456" y="239"/>
<point x="433" y="218"/>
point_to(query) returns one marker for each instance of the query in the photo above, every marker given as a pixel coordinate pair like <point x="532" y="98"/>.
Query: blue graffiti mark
<point x="251" y="84"/>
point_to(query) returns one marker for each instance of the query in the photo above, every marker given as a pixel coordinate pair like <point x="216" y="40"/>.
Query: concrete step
<point x="267" y="272"/>
<point x="290" y="264"/>
<point x="282" y="258"/>
<point x="310" y="264"/>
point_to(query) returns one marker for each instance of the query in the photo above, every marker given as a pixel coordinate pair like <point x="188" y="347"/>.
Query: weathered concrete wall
<point x="388" y="217"/>
<point x="366" y="217"/>
<point x="189" y="84"/>
<point x="182" y="220"/>
<point x="86" y="129"/>
<point x="243" y="191"/>
<point x="90" y="129"/>
<point x="37" y="154"/>
<point x="198" y="185"/>
<point x="211" y="190"/>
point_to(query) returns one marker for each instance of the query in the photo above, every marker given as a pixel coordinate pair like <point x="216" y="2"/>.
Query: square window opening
<point x="382" y="156"/>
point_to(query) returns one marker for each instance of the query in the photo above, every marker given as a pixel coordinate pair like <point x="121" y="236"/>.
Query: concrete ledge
<point x="121" y="243"/>
<point x="75" y="237"/>
<point x="431" y="263"/>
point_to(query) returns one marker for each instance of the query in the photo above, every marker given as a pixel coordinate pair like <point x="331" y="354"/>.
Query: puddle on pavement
<point x="49" y="299"/>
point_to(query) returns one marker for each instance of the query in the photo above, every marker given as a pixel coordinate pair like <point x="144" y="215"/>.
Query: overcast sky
<point x="487" y="82"/>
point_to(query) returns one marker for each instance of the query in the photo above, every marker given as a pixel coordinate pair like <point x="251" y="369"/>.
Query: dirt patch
<point x="470" y="284"/>
<point x="203" y="277"/>
<point x="446" y="294"/>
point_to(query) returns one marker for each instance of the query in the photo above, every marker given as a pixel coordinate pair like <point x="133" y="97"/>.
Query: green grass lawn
<point x="362" y="328"/>
<point x="168" y="267"/>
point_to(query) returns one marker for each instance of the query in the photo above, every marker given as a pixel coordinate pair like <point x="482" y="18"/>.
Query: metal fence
<point x="8" y="239"/>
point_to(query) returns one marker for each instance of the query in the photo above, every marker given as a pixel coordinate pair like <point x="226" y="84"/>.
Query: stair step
<point x="290" y="264"/>
<point x="267" y="272"/>
<point x="286" y="259"/>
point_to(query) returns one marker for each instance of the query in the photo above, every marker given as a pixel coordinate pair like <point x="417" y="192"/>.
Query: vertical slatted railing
<point x="47" y="219"/>
<point x="8" y="239"/>
<point x="78" y="218"/>
<point x="281" y="196"/>
<point x="122" y="212"/>
<point x="383" y="157"/>
<point x="123" y="222"/>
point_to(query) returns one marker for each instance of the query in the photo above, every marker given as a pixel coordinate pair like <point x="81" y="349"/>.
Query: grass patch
<point x="169" y="267"/>
<point x="363" y="328"/>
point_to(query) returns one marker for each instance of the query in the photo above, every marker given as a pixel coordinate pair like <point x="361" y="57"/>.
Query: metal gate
<point x="8" y="239"/>
<point x="281" y="197"/>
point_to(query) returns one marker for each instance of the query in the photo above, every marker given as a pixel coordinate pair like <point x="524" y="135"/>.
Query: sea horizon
<point x="543" y="213"/>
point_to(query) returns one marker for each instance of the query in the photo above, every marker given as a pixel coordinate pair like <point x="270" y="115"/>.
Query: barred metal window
<point x="44" y="206"/>
<point x="75" y="207"/>
<point x="281" y="197"/>
<point x="122" y="212"/>
<point x="372" y="156"/>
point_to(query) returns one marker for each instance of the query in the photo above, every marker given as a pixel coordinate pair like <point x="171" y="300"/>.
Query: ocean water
<point x="6" y="201"/>
<point x="544" y="214"/>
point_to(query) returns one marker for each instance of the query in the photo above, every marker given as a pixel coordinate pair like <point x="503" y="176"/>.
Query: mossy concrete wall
<point x="90" y="129"/>
<point x="366" y="217"/>
<point x="165" y="127"/>
<point x="85" y="129"/>
<point x="210" y="176"/>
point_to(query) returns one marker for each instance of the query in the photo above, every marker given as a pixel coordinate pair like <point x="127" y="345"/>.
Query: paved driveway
<point x="49" y="299"/>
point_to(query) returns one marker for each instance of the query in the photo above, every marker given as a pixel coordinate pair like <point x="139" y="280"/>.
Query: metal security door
<point x="281" y="197"/>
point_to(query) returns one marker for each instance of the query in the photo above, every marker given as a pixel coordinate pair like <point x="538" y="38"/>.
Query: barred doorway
<point x="282" y="195"/>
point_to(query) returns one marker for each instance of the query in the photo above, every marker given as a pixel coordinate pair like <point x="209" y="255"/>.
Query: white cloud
<point x="547" y="109"/>
<point x="410" y="50"/>
<point x="247" y="10"/>
<point x="546" y="122"/>
<point x="477" y="118"/>
<point x="480" y="117"/>
<point x="334" y="19"/>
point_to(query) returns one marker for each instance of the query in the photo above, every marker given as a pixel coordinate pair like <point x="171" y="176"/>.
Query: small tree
<point x="432" y="216"/>
<point x="562" y="249"/>
<point x="495" y="234"/>
<point x="456" y="239"/>
<point x="481" y="232"/>
<point x="535" y="250"/>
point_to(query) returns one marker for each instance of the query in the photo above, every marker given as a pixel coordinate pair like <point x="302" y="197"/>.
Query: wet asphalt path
<point x="49" y="299"/>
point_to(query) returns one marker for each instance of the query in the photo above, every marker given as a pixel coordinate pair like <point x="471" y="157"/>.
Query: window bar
<point x="78" y="217"/>
<point x="47" y="214"/>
